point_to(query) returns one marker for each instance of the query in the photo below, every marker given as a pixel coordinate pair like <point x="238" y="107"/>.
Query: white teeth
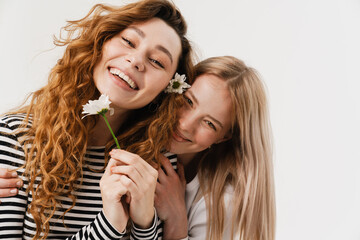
<point x="122" y="75"/>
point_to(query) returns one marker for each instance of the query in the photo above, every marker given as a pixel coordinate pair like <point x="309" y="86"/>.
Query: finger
<point x="161" y="176"/>
<point x="8" y="192"/>
<point x="181" y="172"/>
<point x="128" y="198"/>
<point x="112" y="163"/>
<point x="7" y="173"/>
<point x="10" y="183"/>
<point x="132" y="159"/>
<point x="111" y="185"/>
<point x="129" y="171"/>
<point x="130" y="186"/>
<point x="136" y="181"/>
<point x="166" y="164"/>
<point x="116" y="189"/>
<point x="159" y="188"/>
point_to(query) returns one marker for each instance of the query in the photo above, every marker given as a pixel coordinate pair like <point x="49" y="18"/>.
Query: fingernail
<point x="14" y="174"/>
<point x="13" y="190"/>
<point x="19" y="183"/>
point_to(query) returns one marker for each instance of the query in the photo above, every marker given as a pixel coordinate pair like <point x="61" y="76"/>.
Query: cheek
<point x="205" y="139"/>
<point x="96" y="76"/>
<point x="158" y="82"/>
<point x="164" y="80"/>
<point x="153" y="92"/>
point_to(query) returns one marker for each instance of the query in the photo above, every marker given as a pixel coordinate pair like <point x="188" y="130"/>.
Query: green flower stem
<point x="112" y="133"/>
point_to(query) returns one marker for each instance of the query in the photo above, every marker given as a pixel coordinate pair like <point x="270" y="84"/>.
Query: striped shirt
<point x="84" y="221"/>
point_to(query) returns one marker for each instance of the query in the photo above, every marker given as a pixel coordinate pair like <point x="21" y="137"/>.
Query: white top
<point x="197" y="213"/>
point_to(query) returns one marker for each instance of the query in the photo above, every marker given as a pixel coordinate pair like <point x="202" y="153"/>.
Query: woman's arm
<point x="170" y="201"/>
<point x="112" y="220"/>
<point x="113" y="194"/>
<point x="178" y="204"/>
<point x="117" y="196"/>
<point x="100" y="228"/>
<point x="12" y="209"/>
<point x="138" y="179"/>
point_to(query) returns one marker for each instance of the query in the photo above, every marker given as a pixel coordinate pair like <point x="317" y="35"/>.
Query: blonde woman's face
<point x="206" y="117"/>
<point x="138" y="63"/>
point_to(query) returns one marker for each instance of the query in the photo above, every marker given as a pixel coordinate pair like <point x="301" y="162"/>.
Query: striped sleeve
<point x="150" y="233"/>
<point x="84" y="221"/>
<point x="101" y="228"/>
<point x="12" y="209"/>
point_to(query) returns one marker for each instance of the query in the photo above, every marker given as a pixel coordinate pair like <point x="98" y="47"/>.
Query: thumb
<point x="181" y="173"/>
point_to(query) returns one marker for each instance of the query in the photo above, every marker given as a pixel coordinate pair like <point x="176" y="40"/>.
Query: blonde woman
<point x="129" y="53"/>
<point x="223" y="141"/>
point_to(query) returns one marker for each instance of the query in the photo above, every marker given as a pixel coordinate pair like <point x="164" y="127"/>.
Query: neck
<point x="100" y="135"/>
<point x="190" y="163"/>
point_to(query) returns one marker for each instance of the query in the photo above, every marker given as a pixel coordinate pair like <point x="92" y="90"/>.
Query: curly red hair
<point x="58" y="137"/>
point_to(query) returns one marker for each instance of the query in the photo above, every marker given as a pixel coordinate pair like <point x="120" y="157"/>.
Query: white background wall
<point x="308" y="54"/>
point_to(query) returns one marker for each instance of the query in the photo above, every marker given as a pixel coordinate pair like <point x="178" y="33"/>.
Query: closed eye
<point x="188" y="100"/>
<point x="128" y="42"/>
<point x="210" y="124"/>
<point x="156" y="62"/>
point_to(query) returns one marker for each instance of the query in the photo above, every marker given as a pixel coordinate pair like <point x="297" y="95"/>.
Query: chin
<point x="176" y="150"/>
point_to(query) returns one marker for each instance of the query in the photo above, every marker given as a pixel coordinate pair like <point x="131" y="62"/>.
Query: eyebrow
<point x="138" y="31"/>
<point x="197" y="103"/>
<point x="158" y="47"/>
<point x="164" y="50"/>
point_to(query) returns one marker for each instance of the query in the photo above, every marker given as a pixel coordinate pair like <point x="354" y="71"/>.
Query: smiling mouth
<point x="180" y="138"/>
<point x="125" y="78"/>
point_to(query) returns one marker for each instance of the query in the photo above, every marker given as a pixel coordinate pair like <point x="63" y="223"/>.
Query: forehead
<point x="156" y="31"/>
<point x="216" y="87"/>
<point x="213" y="96"/>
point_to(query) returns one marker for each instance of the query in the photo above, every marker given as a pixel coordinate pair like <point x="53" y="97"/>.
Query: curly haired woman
<point x="129" y="53"/>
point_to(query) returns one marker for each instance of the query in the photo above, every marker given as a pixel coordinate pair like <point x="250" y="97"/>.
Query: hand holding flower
<point x="113" y="195"/>
<point x="140" y="179"/>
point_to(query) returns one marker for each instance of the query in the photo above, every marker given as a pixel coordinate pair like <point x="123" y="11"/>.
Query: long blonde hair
<point x="58" y="137"/>
<point x="244" y="161"/>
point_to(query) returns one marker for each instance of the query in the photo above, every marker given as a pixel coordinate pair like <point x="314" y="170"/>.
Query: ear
<point x="225" y="138"/>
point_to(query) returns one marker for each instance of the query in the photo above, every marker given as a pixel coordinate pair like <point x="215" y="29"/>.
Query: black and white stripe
<point x="84" y="221"/>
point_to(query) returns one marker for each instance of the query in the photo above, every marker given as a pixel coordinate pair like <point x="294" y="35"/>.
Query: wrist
<point x="176" y="228"/>
<point x="117" y="222"/>
<point x="146" y="221"/>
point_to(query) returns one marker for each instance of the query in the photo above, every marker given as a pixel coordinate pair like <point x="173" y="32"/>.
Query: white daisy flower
<point x="100" y="106"/>
<point x="177" y="84"/>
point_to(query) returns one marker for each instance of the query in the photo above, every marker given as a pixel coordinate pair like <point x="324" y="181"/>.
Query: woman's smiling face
<point x="206" y="117"/>
<point x="138" y="63"/>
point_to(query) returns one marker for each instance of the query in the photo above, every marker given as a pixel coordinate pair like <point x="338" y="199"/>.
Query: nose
<point x="186" y="121"/>
<point x="136" y="60"/>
